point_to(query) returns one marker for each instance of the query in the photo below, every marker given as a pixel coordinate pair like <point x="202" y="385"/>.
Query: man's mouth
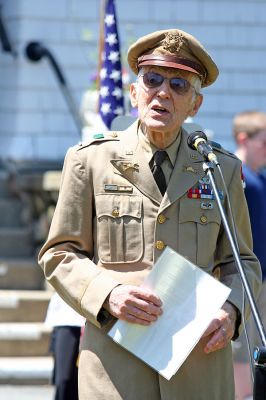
<point x="159" y="109"/>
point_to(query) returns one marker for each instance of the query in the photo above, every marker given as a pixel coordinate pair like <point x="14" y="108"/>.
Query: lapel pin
<point x="189" y="168"/>
<point x="130" y="165"/>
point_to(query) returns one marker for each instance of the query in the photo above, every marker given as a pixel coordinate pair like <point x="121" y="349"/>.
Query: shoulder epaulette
<point x="99" y="137"/>
<point x="216" y="146"/>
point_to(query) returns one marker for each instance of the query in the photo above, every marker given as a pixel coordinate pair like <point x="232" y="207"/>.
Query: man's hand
<point x="133" y="304"/>
<point x="221" y="329"/>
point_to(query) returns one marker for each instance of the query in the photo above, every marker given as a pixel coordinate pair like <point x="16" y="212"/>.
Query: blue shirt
<point x="255" y="192"/>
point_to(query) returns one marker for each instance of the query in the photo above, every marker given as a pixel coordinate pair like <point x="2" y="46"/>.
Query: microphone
<point x="198" y="141"/>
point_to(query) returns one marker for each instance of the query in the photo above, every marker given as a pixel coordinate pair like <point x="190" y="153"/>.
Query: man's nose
<point x="164" y="89"/>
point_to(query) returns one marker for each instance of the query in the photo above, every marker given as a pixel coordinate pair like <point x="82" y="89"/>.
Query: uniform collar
<point x="134" y="166"/>
<point x="149" y="149"/>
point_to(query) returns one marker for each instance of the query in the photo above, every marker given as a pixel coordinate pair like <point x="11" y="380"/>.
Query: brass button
<point x="217" y="273"/>
<point x="115" y="212"/>
<point x="159" y="245"/>
<point x="114" y="134"/>
<point x="204" y="219"/>
<point x="161" y="219"/>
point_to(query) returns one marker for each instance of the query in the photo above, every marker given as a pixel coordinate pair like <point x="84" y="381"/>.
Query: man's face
<point x="256" y="150"/>
<point x="161" y="109"/>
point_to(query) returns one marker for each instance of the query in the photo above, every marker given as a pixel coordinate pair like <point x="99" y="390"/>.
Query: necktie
<point x="157" y="171"/>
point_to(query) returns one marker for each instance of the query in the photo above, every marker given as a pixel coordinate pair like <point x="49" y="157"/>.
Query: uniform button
<point x="161" y="219"/>
<point x="160" y="245"/>
<point x="217" y="273"/>
<point x="204" y="219"/>
<point x="115" y="212"/>
<point x="114" y="134"/>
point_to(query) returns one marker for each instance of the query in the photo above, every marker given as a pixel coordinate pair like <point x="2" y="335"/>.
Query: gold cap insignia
<point x="173" y="42"/>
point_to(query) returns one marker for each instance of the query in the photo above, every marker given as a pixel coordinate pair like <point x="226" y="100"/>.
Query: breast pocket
<point x="198" y="231"/>
<point x="119" y="228"/>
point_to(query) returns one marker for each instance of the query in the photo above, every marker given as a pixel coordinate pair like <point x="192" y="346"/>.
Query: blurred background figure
<point x="249" y="129"/>
<point x="67" y="326"/>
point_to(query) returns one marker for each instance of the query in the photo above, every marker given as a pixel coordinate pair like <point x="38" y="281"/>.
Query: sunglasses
<point x="155" y="80"/>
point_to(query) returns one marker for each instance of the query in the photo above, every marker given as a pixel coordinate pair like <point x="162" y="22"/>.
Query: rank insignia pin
<point x="206" y="205"/>
<point x="205" y="180"/>
<point x="130" y="165"/>
<point x="189" y="168"/>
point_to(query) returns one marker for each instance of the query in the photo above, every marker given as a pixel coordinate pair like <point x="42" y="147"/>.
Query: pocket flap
<point x="191" y="211"/>
<point x="118" y="205"/>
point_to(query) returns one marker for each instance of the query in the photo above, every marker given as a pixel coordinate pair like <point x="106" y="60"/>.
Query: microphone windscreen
<point x="192" y="137"/>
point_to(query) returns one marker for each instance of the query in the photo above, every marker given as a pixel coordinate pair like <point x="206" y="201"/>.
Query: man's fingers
<point x="218" y="340"/>
<point x="146" y="307"/>
<point x="134" y="304"/>
<point x="147" y="295"/>
<point x="214" y="325"/>
<point x="135" y="320"/>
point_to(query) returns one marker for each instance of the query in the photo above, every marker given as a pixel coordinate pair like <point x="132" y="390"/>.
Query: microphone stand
<point x="259" y="355"/>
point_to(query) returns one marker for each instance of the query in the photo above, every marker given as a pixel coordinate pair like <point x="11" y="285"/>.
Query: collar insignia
<point x="189" y="168"/>
<point x="130" y="165"/>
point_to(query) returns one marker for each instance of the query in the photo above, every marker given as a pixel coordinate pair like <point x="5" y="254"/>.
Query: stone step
<point x="27" y="391"/>
<point x="11" y="212"/>
<point x="4" y="190"/>
<point x="30" y="176"/>
<point x="26" y="370"/>
<point x="16" y="242"/>
<point x="24" y="339"/>
<point x="20" y="273"/>
<point x="23" y="305"/>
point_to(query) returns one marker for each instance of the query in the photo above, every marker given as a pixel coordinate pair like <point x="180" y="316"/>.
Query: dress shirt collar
<point x="149" y="149"/>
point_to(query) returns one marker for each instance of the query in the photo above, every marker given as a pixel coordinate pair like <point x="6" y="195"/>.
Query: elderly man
<point x="124" y="197"/>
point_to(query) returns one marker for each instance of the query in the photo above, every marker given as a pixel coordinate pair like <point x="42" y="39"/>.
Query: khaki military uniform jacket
<point x="110" y="226"/>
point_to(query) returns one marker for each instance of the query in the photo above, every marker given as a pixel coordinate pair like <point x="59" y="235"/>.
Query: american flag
<point x="111" y="100"/>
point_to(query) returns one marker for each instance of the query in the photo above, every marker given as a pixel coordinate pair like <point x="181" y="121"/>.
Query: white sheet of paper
<point x="190" y="297"/>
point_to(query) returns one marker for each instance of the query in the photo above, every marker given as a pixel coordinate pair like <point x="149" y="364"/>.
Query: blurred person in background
<point x="66" y="326"/>
<point x="249" y="129"/>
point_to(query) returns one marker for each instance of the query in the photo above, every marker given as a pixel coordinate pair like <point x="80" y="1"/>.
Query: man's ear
<point x="196" y="106"/>
<point x="241" y="138"/>
<point x="133" y="95"/>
